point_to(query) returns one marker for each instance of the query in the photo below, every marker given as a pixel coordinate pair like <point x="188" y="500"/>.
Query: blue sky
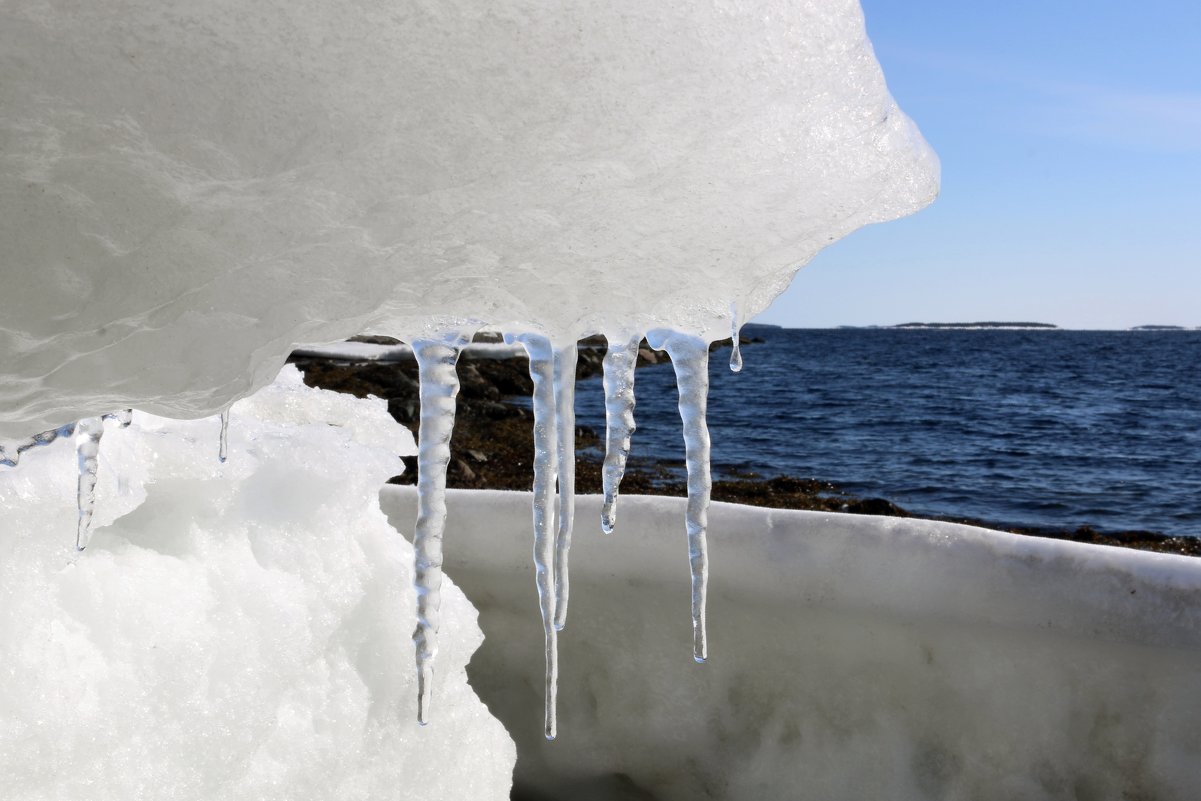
<point x="1070" y="140"/>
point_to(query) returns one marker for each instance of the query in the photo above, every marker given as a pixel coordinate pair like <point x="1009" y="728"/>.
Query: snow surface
<point x="851" y="658"/>
<point x="233" y="631"/>
<point x="189" y="189"/>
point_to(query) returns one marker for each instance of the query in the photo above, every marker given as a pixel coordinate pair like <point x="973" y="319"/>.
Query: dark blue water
<point x="1023" y="428"/>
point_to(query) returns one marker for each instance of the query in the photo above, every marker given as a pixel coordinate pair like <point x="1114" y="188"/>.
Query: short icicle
<point x="690" y="358"/>
<point x="123" y="417"/>
<point x="87" y="448"/>
<point x="436" y="361"/>
<point x="541" y="356"/>
<point x="564" y="374"/>
<point x="735" y="336"/>
<point x="223" y="445"/>
<point x="620" y="360"/>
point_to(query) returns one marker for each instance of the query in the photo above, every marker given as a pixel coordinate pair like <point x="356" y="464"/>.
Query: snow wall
<point x="233" y="631"/>
<point x="851" y="658"/>
<point x="187" y="190"/>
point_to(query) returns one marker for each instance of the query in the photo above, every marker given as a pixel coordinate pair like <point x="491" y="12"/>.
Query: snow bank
<point x="189" y="189"/>
<point x="850" y="658"/>
<point x="234" y="631"/>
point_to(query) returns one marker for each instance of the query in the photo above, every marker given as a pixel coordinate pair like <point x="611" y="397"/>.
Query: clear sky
<point x="1070" y="139"/>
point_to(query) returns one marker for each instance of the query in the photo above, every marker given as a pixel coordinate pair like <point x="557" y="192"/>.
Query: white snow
<point x="851" y="657"/>
<point x="189" y="189"/>
<point x="233" y="631"/>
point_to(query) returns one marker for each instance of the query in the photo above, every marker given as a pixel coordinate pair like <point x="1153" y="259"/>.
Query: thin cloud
<point x="1150" y="120"/>
<point x="1139" y="118"/>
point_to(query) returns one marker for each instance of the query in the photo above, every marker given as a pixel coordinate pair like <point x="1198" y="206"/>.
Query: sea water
<point x="1041" y="428"/>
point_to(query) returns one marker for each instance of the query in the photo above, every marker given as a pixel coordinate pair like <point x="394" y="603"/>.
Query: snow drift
<point x="234" y="631"/>
<point x="188" y="189"/>
<point x="852" y="657"/>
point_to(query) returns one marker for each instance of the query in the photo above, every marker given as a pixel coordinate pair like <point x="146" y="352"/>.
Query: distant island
<point x="989" y="324"/>
<point x="1159" y="328"/>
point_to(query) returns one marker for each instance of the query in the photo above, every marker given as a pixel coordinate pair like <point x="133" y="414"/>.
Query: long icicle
<point x="87" y="449"/>
<point x="436" y="360"/>
<point x="223" y="445"/>
<point x="620" y="361"/>
<point x="565" y="359"/>
<point x="541" y="356"/>
<point x="690" y="359"/>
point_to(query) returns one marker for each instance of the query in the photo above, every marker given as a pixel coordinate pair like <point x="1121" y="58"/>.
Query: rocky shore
<point x="492" y="445"/>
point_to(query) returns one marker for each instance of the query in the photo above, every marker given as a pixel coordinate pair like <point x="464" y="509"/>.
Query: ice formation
<point x="223" y="437"/>
<point x="564" y="374"/>
<point x="618" y="366"/>
<point x="854" y="657"/>
<point x="735" y="344"/>
<point x="188" y="190"/>
<point x="436" y="361"/>
<point x="10" y="454"/>
<point x="542" y="355"/>
<point x="87" y="451"/>
<point x="690" y="358"/>
<point x="233" y="631"/>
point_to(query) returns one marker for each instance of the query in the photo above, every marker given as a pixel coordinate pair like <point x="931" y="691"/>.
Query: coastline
<point x="492" y="445"/>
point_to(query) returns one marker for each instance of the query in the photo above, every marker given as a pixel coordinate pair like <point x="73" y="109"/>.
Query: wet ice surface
<point x="690" y="359"/>
<point x="564" y="376"/>
<point x="87" y="451"/>
<point x="552" y="371"/>
<point x="223" y="437"/>
<point x="235" y="631"/>
<point x="541" y="354"/>
<point x="618" y="366"/>
<point x="320" y="174"/>
<point x="436" y="361"/>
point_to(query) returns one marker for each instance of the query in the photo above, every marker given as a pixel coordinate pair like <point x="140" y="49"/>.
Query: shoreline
<point x="492" y="446"/>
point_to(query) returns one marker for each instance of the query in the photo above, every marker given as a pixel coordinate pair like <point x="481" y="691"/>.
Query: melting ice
<point x="279" y="205"/>
<point x="546" y="452"/>
<point x="552" y="371"/>
<point x="87" y="447"/>
<point x="618" y="366"/>
<point x="223" y="444"/>
<point x="644" y="173"/>
<point x="439" y="382"/>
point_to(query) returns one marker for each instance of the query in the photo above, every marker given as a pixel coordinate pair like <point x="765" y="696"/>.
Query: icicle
<point x="223" y="441"/>
<point x="545" y="456"/>
<point x="735" y="335"/>
<point x="87" y="448"/>
<point x="564" y="374"/>
<point x="436" y="360"/>
<point x="620" y="361"/>
<point x="690" y="358"/>
<point x="123" y="417"/>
